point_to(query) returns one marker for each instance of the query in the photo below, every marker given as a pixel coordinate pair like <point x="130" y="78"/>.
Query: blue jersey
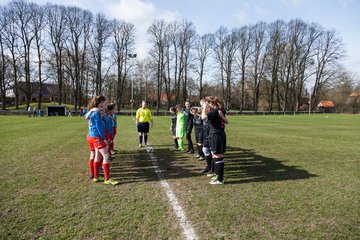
<point x="108" y="124"/>
<point x="96" y="125"/>
<point x="114" y="119"/>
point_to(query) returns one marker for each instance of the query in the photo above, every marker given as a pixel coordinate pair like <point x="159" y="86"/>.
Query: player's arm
<point x="87" y="116"/>
<point x="137" y="117"/>
<point x="203" y="113"/>
<point x="223" y="117"/>
<point x="150" y="118"/>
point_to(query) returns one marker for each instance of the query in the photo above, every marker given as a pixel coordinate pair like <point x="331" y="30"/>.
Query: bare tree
<point x="245" y="39"/>
<point x="305" y="62"/>
<point x="38" y="23"/>
<point x="203" y="51"/>
<point x="329" y="50"/>
<point x="218" y="47"/>
<point x="157" y="31"/>
<point x="276" y="46"/>
<point x="57" y="33"/>
<point x="231" y="47"/>
<point x="124" y="40"/>
<point x="23" y="15"/>
<point x="79" y="23"/>
<point x="257" y="60"/>
<point x="3" y="65"/>
<point x="102" y="32"/>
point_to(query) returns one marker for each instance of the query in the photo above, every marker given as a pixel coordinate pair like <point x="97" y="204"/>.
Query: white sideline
<point x="188" y="230"/>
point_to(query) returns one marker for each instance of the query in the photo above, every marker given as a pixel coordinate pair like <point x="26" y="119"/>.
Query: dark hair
<point x="172" y="109"/>
<point x="110" y="106"/>
<point x="96" y="101"/>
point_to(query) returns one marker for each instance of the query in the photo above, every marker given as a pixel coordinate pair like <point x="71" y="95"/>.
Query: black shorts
<point x="206" y="141"/>
<point x="143" y="127"/>
<point x="198" y="135"/>
<point x="218" y="143"/>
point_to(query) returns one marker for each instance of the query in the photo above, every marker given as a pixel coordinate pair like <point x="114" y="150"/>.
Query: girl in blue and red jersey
<point x="111" y="113"/>
<point x="97" y="140"/>
<point x="109" y="134"/>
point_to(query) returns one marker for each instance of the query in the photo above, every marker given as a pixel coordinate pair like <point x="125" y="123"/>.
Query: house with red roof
<point x="326" y="106"/>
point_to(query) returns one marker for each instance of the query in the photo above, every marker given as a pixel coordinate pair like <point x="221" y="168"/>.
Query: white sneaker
<point x="215" y="182"/>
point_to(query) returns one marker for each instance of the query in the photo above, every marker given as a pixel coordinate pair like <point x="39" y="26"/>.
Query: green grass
<point x="288" y="177"/>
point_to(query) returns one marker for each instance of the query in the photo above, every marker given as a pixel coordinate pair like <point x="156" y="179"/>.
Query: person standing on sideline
<point x="34" y="111"/>
<point x="189" y="118"/>
<point x="180" y="127"/>
<point x="173" y="125"/>
<point x="143" y="118"/>
<point x="217" y="136"/>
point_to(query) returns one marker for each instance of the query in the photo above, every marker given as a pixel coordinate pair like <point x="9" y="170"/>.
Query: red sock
<point x="96" y="169"/>
<point x="91" y="167"/>
<point x="106" y="171"/>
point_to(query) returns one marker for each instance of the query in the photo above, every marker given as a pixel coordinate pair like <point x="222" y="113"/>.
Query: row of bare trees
<point x="271" y="62"/>
<point x="266" y="64"/>
<point x="67" y="45"/>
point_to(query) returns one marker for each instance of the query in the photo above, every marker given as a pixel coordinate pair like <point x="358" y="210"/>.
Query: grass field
<point x="288" y="177"/>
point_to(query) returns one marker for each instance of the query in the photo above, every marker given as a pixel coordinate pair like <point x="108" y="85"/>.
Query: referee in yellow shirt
<point x="143" y="118"/>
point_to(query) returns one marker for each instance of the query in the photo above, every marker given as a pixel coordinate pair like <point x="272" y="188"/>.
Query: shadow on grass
<point x="245" y="165"/>
<point x="136" y="165"/>
<point x="241" y="166"/>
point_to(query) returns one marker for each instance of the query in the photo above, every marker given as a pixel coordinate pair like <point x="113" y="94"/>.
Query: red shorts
<point x="95" y="142"/>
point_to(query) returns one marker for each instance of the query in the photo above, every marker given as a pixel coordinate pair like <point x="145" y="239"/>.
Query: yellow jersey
<point x="143" y="115"/>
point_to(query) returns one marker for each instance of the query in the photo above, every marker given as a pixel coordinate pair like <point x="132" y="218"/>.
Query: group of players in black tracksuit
<point x="209" y="121"/>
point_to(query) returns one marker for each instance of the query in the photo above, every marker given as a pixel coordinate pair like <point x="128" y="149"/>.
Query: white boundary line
<point x="188" y="230"/>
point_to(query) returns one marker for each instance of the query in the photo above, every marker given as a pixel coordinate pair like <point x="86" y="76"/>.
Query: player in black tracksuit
<point x="206" y="148"/>
<point x="198" y="123"/>
<point x="173" y="126"/>
<point x="189" y="126"/>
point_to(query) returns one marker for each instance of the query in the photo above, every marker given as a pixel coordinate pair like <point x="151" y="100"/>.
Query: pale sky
<point x="208" y="15"/>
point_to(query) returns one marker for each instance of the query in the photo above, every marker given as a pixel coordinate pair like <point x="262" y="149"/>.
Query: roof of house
<point x="326" y="104"/>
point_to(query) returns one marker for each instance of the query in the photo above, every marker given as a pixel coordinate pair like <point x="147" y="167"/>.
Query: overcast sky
<point x="208" y="15"/>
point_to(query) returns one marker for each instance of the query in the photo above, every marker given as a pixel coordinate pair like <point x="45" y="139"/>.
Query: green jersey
<point x="180" y="125"/>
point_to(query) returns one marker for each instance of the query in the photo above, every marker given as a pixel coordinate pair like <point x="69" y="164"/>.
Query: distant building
<point x="326" y="106"/>
<point x="50" y="92"/>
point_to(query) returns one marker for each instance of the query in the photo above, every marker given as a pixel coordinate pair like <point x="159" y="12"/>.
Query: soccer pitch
<point x="286" y="177"/>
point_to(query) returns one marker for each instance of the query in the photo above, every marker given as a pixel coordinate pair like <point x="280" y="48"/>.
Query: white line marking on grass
<point x="188" y="230"/>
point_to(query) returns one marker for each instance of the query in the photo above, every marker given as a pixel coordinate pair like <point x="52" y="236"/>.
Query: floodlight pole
<point x="310" y="102"/>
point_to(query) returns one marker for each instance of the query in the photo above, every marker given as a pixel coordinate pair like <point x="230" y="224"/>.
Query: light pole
<point x="310" y="102"/>
<point x="132" y="56"/>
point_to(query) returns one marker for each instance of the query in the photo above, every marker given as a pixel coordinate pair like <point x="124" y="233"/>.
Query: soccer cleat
<point x="140" y="145"/>
<point x="196" y="155"/>
<point x="99" y="179"/>
<point x="200" y="158"/>
<point x="210" y="174"/>
<point x="216" y="182"/>
<point x="111" y="182"/>
<point x="214" y="177"/>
